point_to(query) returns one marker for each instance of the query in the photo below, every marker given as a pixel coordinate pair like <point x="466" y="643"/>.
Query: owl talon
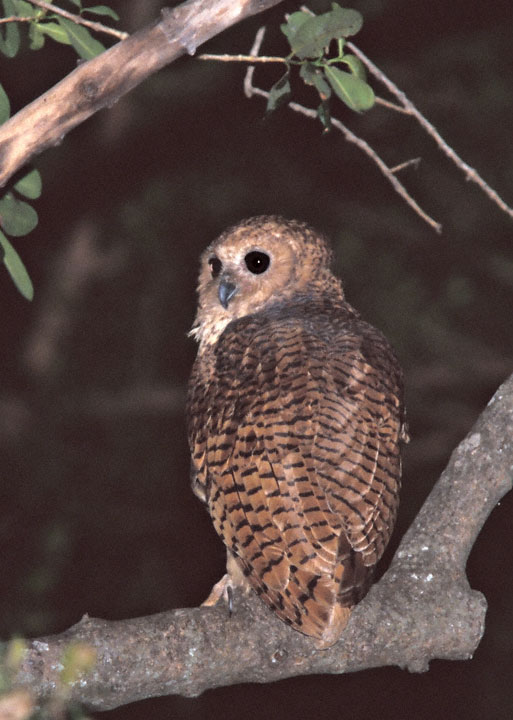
<point x="222" y="590"/>
<point x="229" y="593"/>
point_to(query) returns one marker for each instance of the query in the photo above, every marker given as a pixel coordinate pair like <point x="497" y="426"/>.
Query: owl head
<point x="259" y="262"/>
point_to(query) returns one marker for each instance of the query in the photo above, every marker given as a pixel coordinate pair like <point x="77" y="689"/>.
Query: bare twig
<point x="78" y="20"/>
<point x="255" y="48"/>
<point x="390" y="105"/>
<point x="250" y="89"/>
<point x="415" y="162"/>
<point x="243" y="58"/>
<point x="15" y="18"/>
<point x="470" y="173"/>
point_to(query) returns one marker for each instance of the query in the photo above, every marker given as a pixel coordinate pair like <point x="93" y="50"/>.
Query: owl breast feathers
<point x="295" y="418"/>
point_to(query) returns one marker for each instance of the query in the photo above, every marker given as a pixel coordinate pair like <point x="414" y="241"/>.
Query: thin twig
<point x="255" y="48"/>
<point x="402" y="166"/>
<point x="470" y="173"/>
<point x="391" y="106"/>
<point x="250" y="89"/>
<point x="96" y="26"/>
<point x="15" y="18"/>
<point x="243" y="58"/>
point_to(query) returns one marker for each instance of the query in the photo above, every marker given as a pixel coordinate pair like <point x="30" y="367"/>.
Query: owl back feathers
<point x="294" y="416"/>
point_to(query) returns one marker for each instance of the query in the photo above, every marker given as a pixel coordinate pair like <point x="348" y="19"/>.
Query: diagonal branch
<point x="101" y="81"/>
<point x="15" y="18"/>
<point x="423" y="607"/>
<point x="470" y="173"/>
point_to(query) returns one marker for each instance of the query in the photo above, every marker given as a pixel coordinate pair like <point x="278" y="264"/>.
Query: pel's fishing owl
<point x="295" y="416"/>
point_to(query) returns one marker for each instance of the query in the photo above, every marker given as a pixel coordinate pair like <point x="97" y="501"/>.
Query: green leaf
<point x="36" y="37"/>
<point x="308" y="38"/>
<point x="324" y="115"/>
<point x="307" y="72"/>
<point x="9" y="32"/>
<point x="77" y="3"/>
<point x="313" y="76"/>
<point x="5" y="106"/>
<point x="55" y="31"/>
<point x="25" y="9"/>
<point x="355" y="93"/>
<point x="279" y="93"/>
<point x="294" y="22"/>
<point x="16" y="268"/>
<point x="102" y="10"/>
<point x="30" y="185"/>
<point x="355" y="65"/>
<point x="87" y="47"/>
<point x="17" y="217"/>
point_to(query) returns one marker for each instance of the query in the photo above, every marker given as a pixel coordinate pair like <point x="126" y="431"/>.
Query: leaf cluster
<point x="17" y="217"/>
<point x="310" y="38"/>
<point x="42" y="24"/>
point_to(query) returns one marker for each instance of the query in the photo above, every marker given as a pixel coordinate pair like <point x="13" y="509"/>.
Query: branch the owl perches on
<point x="420" y="610"/>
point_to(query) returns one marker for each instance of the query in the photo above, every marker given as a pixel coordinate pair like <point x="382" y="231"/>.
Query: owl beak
<point x="226" y="291"/>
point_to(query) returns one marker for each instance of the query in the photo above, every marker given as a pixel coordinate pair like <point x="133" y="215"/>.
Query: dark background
<point x="97" y="515"/>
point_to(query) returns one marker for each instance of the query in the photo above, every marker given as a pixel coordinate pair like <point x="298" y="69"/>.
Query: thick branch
<point x="423" y="607"/>
<point x="101" y="81"/>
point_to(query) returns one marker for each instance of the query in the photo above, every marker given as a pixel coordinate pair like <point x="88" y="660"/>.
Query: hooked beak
<point x="226" y="291"/>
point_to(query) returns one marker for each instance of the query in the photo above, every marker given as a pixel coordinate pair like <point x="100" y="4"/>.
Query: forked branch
<point x="422" y="608"/>
<point x="406" y="107"/>
<point x="470" y="173"/>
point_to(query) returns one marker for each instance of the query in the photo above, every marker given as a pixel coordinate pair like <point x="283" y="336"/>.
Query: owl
<point x="295" y="421"/>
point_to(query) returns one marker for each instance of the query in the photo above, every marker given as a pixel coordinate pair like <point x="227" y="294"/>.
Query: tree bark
<point x="100" y="82"/>
<point x="423" y="608"/>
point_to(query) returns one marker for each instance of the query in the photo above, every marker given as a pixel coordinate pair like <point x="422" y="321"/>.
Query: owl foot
<point x="222" y="590"/>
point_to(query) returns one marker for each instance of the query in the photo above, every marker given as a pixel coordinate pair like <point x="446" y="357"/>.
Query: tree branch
<point x="423" y="607"/>
<point x="252" y="59"/>
<point x="101" y="81"/>
<point x="470" y="173"/>
<point x="349" y="135"/>
<point x="78" y="20"/>
<point x="15" y="18"/>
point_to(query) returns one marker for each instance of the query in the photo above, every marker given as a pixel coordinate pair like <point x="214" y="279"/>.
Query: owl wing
<point x="297" y="458"/>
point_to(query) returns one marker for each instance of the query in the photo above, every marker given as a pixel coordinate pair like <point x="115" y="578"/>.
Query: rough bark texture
<point x="98" y="83"/>
<point x="423" y="607"/>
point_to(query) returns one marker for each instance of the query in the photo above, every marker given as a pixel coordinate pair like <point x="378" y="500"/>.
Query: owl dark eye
<point x="215" y="266"/>
<point x="257" y="262"/>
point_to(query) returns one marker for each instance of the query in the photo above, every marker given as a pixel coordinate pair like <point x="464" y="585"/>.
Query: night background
<point x="97" y="514"/>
